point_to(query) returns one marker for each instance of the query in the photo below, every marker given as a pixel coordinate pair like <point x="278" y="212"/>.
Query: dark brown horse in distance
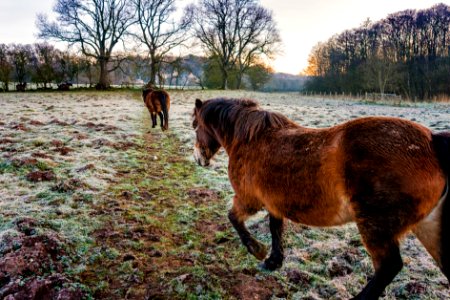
<point x="157" y="102"/>
<point x="388" y="175"/>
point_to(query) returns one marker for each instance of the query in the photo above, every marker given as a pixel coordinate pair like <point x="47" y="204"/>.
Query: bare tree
<point x="5" y="66"/>
<point x="159" y="32"/>
<point x="21" y="56"/>
<point x="44" y="63"/>
<point x="68" y="67"/>
<point x="216" y="28"/>
<point x="177" y="69"/>
<point x="257" y="35"/>
<point x="237" y="32"/>
<point x="97" y="26"/>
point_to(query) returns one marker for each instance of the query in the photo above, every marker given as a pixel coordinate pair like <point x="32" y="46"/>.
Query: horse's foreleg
<point x="252" y="245"/>
<point x="387" y="263"/>
<point x="275" y="260"/>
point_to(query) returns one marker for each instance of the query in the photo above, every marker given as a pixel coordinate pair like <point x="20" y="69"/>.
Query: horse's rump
<point x="157" y="102"/>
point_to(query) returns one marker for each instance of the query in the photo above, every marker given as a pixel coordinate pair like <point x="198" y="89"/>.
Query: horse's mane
<point x="241" y="119"/>
<point x="146" y="91"/>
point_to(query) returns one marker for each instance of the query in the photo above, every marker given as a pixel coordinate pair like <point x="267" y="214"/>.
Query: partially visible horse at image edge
<point x="388" y="175"/>
<point x="157" y="103"/>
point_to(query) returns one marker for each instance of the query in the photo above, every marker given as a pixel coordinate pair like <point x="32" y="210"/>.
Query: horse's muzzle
<point x="199" y="158"/>
<point x="203" y="163"/>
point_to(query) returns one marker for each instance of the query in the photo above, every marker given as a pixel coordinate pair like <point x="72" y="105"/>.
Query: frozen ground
<point x="86" y="170"/>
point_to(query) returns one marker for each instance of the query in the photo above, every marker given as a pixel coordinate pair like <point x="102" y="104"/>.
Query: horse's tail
<point x="163" y="100"/>
<point x="434" y="230"/>
<point x="441" y="144"/>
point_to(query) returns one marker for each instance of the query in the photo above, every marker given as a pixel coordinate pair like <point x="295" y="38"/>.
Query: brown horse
<point x="388" y="175"/>
<point x="157" y="102"/>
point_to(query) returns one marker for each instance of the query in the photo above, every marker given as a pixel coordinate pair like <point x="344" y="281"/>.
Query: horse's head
<point x="206" y="144"/>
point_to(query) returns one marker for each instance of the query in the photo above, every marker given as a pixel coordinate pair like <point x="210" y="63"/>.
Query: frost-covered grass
<point x="142" y="220"/>
<point x="83" y="139"/>
<point x="333" y="260"/>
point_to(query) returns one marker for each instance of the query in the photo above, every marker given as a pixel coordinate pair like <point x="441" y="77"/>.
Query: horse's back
<point x="326" y="177"/>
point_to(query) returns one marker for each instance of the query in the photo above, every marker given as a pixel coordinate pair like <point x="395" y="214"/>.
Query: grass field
<point x="96" y="204"/>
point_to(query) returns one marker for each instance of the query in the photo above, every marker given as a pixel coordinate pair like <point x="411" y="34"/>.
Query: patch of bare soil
<point x="63" y="150"/>
<point x="7" y="141"/>
<point x="18" y="126"/>
<point x="251" y="287"/>
<point x="58" y="122"/>
<point x="36" y="123"/>
<point x="31" y="265"/>
<point x="101" y="127"/>
<point x="37" y="176"/>
<point x="86" y="168"/>
<point x="41" y="154"/>
<point x="67" y="185"/>
<point x="298" y="277"/>
<point x="24" y="162"/>
<point x="98" y="143"/>
<point x="123" y="146"/>
<point x="202" y="195"/>
<point x="245" y="284"/>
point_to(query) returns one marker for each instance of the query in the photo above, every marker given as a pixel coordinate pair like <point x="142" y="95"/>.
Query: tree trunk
<point x="381" y="84"/>
<point x="153" y="69"/>
<point x="103" y="83"/>
<point x="224" y="79"/>
<point x="239" y="79"/>
<point x="240" y="75"/>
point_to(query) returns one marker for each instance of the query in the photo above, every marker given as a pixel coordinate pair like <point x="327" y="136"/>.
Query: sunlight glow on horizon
<point x="302" y="23"/>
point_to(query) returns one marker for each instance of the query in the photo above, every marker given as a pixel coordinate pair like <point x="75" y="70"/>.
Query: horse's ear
<point x="198" y="103"/>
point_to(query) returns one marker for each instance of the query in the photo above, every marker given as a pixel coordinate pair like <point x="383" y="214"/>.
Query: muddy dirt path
<point x="166" y="235"/>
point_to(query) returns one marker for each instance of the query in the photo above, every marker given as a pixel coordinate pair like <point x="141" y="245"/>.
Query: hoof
<point x="257" y="249"/>
<point x="270" y="264"/>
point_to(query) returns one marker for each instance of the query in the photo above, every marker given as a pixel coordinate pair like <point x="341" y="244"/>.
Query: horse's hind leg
<point x="386" y="259"/>
<point x="153" y="120"/>
<point x="237" y="218"/>
<point x="161" y="118"/>
<point x="275" y="260"/>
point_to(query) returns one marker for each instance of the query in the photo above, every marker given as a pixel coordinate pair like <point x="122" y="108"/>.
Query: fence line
<point x="354" y="96"/>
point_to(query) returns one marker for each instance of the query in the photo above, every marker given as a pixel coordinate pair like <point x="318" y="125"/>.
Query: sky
<point x="302" y="23"/>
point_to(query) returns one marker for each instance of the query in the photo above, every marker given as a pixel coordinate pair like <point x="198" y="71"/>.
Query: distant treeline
<point x="407" y="53"/>
<point x="43" y="66"/>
